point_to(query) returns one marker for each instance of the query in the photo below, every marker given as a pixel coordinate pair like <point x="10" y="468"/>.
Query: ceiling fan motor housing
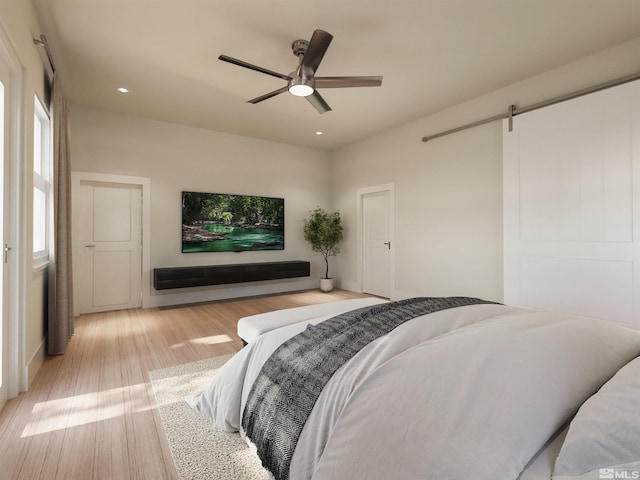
<point x="299" y="47"/>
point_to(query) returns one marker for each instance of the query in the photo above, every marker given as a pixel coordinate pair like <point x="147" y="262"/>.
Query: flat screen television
<point x="219" y="222"/>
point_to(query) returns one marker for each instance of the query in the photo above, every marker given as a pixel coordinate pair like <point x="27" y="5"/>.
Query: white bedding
<point x="470" y="392"/>
<point x="605" y="434"/>
<point x="541" y="465"/>
<point x="249" y="328"/>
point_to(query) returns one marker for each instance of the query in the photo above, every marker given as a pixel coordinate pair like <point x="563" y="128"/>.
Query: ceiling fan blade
<point x="267" y="96"/>
<point x="250" y="66"/>
<point x="340" y="82"/>
<point x="318" y="45"/>
<point x="318" y="102"/>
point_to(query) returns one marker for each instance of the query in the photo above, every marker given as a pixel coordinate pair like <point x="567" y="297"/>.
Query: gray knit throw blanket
<point x="292" y="379"/>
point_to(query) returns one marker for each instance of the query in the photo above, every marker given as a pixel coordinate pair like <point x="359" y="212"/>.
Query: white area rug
<point x="199" y="450"/>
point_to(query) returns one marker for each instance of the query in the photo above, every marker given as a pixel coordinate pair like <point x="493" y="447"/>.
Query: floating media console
<point x="181" y="277"/>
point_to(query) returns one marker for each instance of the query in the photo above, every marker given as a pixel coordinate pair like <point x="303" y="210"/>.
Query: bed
<point x="435" y="388"/>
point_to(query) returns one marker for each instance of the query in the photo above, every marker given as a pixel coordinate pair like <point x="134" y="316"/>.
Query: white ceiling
<point x="432" y="54"/>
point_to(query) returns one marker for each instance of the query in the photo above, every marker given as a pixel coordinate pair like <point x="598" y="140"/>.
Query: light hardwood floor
<point x="90" y="413"/>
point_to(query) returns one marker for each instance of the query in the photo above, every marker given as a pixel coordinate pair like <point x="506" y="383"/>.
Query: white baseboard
<point x="346" y="285"/>
<point x="35" y="362"/>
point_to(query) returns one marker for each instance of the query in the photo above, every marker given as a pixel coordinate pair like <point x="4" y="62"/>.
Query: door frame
<point x="361" y="193"/>
<point x="145" y="184"/>
<point x="17" y="369"/>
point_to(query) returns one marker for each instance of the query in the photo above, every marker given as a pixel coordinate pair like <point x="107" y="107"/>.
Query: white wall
<point x="448" y="203"/>
<point x="449" y="190"/>
<point x="176" y="158"/>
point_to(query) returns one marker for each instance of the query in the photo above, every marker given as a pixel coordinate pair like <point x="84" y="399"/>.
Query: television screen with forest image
<point x="217" y="222"/>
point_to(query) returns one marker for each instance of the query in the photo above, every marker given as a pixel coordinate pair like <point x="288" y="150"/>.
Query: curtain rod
<point x="42" y="42"/>
<point x="513" y="110"/>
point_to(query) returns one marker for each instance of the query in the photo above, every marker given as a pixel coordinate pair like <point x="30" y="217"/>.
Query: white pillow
<point x="604" y="437"/>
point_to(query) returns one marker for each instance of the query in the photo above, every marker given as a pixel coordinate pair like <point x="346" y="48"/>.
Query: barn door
<point x="572" y="207"/>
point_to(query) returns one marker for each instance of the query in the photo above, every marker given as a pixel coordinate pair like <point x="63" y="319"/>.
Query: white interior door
<point x="376" y="243"/>
<point x="4" y="284"/>
<point x="110" y="269"/>
<point x="13" y="365"/>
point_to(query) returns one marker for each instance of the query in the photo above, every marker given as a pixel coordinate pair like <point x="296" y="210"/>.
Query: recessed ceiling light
<point x="318" y="133"/>
<point x="123" y="90"/>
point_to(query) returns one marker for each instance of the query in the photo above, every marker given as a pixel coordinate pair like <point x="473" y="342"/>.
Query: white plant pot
<point x="326" y="284"/>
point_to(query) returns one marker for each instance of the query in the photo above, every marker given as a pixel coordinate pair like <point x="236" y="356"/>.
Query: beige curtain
<point x="60" y="315"/>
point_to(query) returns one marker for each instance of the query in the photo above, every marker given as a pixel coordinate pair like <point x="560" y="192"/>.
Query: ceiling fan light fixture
<point x="300" y="87"/>
<point x="300" y="90"/>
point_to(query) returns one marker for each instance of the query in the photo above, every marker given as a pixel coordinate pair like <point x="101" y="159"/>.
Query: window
<point x="41" y="184"/>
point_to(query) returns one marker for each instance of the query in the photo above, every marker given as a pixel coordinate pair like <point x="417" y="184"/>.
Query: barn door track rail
<point x="512" y="110"/>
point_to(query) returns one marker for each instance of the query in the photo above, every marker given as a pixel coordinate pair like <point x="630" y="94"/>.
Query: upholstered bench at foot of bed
<point x="249" y="328"/>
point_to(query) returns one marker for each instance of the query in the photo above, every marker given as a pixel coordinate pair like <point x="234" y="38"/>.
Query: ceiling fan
<point x="302" y="82"/>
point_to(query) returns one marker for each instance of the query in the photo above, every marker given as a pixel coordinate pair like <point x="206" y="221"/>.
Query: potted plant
<point x="323" y="230"/>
